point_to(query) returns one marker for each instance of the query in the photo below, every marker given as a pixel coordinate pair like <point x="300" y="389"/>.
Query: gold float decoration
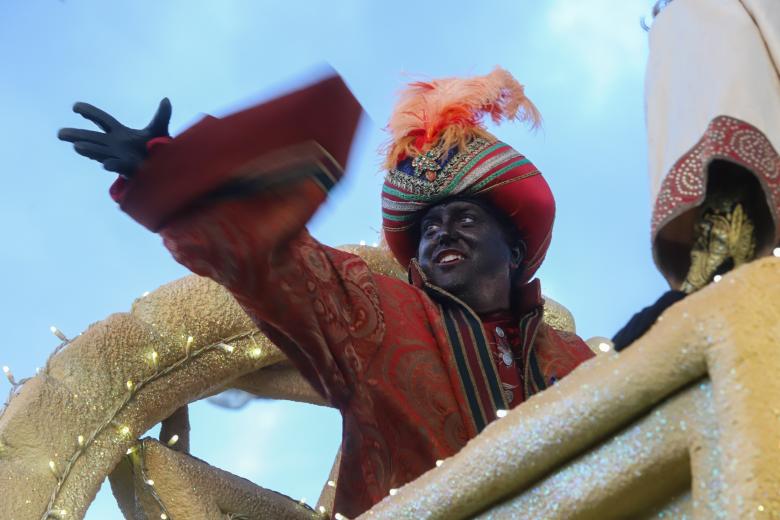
<point x="684" y="423"/>
<point x="694" y="401"/>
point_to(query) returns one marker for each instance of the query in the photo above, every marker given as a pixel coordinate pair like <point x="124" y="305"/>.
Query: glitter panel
<point x="626" y="476"/>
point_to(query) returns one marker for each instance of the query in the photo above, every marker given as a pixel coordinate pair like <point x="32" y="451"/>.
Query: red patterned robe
<point x="413" y="371"/>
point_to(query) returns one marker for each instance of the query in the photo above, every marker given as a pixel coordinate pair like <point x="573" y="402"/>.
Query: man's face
<point x="464" y="250"/>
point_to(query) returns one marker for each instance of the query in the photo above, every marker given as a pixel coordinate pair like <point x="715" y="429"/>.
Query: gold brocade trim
<point x="723" y="232"/>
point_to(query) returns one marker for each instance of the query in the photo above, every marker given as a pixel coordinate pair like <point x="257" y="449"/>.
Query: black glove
<point x="120" y="149"/>
<point x="644" y="319"/>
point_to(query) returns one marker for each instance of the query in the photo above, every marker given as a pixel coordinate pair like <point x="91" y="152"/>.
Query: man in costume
<point x="416" y="369"/>
<point x="712" y="94"/>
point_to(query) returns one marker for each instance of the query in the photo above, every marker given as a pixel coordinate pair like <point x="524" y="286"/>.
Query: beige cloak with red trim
<point x="712" y="94"/>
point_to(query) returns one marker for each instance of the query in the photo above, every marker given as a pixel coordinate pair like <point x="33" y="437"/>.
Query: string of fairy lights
<point x="133" y="388"/>
<point x="139" y="462"/>
<point x="82" y="443"/>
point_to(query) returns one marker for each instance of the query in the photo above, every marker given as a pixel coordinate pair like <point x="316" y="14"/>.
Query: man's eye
<point x="467" y="219"/>
<point x="430" y="228"/>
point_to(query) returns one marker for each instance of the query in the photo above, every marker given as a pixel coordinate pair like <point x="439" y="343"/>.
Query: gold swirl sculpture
<point x="685" y="421"/>
<point x="723" y="232"/>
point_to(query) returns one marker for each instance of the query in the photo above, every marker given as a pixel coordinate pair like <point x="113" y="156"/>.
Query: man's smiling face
<point x="465" y="250"/>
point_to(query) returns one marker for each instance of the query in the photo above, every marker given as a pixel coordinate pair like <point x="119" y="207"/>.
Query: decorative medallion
<point x="427" y="165"/>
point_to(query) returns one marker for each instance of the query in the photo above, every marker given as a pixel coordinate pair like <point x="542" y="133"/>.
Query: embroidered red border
<point x="726" y="138"/>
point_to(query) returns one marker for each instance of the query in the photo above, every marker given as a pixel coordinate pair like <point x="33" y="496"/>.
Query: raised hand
<point x="119" y="148"/>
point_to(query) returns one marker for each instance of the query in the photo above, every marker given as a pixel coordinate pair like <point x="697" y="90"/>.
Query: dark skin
<point x="465" y="250"/>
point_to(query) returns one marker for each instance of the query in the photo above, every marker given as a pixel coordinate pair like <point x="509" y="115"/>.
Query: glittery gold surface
<point x="180" y="486"/>
<point x="378" y="259"/>
<point x="185" y="340"/>
<point x="678" y="508"/>
<point x="704" y="448"/>
<point x="328" y="494"/>
<point x="558" y="316"/>
<point x="598" y="484"/>
<point x="280" y="381"/>
<point x="695" y="398"/>
<point x="112" y="383"/>
<point x="606" y="425"/>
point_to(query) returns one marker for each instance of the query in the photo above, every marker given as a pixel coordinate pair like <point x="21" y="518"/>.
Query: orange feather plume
<point x="449" y="112"/>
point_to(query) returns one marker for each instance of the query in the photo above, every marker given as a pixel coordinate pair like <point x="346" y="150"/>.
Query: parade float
<point x="683" y="424"/>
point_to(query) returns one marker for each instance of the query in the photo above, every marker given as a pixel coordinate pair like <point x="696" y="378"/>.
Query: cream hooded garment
<point x="712" y="92"/>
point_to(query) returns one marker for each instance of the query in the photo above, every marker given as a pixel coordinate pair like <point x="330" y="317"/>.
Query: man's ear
<point x="517" y="254"/>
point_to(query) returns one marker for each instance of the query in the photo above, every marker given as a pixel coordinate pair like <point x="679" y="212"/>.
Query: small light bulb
<point x="717" y="278"/>
<point x="188" y="345"/>
<point x="163" y="516"/>
<point x="173" y="440"/>
<point x="439" y="463"/>
<point x="393" y="492"/>
<point x="154" y="357"/>
<point x="604" y="346"/>
<point x="776" y="251"/>
<point x="57" y="332"/>
<point x="80" y="440"/>
<point x="500" y="413"/>
<point x="9" y="375"/>
<point x="255" y="353"/>
<point x="131" y="450"/>
<point x="339" y="516"/>
<point x="331" y="483"/>
<point x="302" y="501"/>
<point x="322" y="509"/>
<point x="145" y="294"/>
<point x="53" y="467"/>
<point x="130" y="385"/>
<point x="150" y="482"/>
<point x="227" y="348"/>
<point x="124" y="430"/>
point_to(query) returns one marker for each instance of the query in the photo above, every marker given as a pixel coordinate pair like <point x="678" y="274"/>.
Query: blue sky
<point x="70" y="258"/>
